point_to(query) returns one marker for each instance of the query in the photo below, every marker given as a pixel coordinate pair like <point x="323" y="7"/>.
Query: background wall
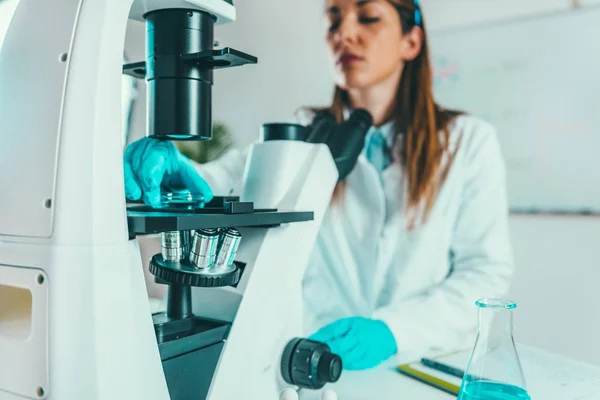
<point x="557" y="257"/>
<point x="556" y="284"/>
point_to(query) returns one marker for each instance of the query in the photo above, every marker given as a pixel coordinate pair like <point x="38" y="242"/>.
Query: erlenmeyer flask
<point x="494" y="371"/>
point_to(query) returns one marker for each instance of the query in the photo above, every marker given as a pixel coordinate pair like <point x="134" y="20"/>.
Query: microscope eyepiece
<point x="283" y="131"/>
<point x="360" y="118"/>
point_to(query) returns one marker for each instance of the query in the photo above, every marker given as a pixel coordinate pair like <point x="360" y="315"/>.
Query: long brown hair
<point x="424" y="124"/>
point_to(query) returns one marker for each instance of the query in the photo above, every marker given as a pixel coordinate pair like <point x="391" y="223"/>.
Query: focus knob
<point x="310" y="364"/>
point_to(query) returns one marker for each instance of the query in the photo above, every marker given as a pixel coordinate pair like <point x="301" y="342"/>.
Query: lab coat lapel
<point x="393" y="192"/>
<point x="364" y="217"/>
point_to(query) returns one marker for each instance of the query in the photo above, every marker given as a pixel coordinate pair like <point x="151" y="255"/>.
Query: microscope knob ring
<point x="309" y="364"/>
<point x="184" y="274"/>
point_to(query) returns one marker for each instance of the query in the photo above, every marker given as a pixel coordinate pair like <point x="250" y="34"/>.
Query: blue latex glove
<point x="153" y="165"/>
<point x="361" y="343"/>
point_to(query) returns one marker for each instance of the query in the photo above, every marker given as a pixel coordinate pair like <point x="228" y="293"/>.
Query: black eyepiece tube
<point x="321" y="128"/>
<point x="361" y="119"/>
<point x="351" y="140"/>
<point x="348" y="141"/>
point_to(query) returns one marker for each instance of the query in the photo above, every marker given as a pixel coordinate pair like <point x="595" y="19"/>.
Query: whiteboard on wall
<point x="537" y="80"/>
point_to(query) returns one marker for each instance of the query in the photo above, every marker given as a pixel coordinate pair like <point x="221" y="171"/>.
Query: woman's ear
<point x="412" y="43"/>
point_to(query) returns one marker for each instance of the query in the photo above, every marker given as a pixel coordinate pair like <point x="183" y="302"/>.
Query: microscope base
<point x="190" y="350"/>
<point x="189" y="375"/>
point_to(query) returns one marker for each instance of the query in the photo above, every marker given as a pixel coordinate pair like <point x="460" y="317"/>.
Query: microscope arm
<point x="66" y="233"/>
<point x="63" y="219"/>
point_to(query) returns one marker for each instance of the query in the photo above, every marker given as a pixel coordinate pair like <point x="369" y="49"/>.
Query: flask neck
<point x="495" y="324"/>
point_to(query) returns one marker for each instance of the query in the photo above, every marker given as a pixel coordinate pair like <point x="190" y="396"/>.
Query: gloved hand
<point x="153" y="165"/>
<point x="345" y="140"/>
<point x="361" y="343"/>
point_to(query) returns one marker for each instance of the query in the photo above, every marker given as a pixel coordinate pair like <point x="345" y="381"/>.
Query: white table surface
<point x="381" y="383"/>
<point x="548" y="377"/>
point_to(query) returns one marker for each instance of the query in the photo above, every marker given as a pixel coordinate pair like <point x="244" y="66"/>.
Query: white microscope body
<point x="75" y="321"/>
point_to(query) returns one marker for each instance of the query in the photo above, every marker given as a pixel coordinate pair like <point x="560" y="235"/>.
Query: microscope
<point x="75" y="321"/>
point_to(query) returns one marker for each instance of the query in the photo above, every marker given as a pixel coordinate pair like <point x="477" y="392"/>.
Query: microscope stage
<point x="142" y="222"/>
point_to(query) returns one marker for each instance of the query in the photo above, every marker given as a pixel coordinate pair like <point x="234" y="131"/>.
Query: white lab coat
<point x="423" y="283"/>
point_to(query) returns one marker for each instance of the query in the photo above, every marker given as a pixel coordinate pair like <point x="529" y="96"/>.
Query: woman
<point x="418" y="230"/>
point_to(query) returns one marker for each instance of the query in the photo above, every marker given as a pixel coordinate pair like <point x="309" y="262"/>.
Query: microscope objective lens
<point x="229" y="243"/>
<point x="204" y="248"/>
<point x="172" y="246"/>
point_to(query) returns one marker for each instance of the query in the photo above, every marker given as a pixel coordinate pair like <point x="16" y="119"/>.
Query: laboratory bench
<point x="548" y="377"/>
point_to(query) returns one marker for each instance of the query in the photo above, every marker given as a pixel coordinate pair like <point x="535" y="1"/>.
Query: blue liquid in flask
<point x="493" y="391"/>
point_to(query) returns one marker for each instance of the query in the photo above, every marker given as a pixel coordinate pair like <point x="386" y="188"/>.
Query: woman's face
<point x="365" y="42"/>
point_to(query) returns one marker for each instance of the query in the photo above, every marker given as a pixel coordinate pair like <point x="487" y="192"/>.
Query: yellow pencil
<point x="427" y="379"/>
